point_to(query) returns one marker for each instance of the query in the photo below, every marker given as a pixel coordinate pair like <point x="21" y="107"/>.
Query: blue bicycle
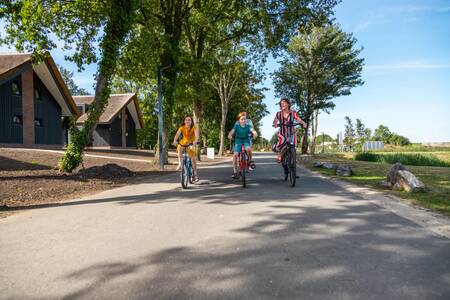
<point x="186" y="174"/>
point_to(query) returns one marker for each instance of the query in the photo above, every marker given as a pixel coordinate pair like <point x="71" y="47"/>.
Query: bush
<point x="404" y="158"/>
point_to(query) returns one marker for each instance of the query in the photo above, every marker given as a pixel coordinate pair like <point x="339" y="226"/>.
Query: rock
<point x="392" y="175"/>
<point x="409" y="182"/>
<point x="385" y="184"/>
<point x="344" y="170"/>
<point x="328" y="165"/>
<point x="305" y="158"/>
<point x="318" y="164"/>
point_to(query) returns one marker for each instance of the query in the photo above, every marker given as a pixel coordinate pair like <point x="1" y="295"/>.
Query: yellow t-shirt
<point x="188" y="135"/>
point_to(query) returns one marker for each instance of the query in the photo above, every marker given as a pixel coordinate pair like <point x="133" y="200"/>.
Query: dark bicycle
<point x="289" y="155"/>
<point x="186" y="174"/>
<point x="243" y="160"/>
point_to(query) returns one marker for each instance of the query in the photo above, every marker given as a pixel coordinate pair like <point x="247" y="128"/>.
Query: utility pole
<point x="160" y="117"/>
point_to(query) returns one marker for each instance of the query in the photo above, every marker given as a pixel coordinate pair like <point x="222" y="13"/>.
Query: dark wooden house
<point x="35" y="103"/>
<point x="118" y="123"/>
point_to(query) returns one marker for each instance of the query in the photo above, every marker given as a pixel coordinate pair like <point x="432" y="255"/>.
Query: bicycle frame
<point x="243" y="160"/>
<point x="186" y="168"/>
<point x="289" y="154"/>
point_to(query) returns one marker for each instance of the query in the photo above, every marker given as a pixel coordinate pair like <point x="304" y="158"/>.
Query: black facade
<point x="131" y="131"/>
<point x="110" y="135"/>
<point x="47" y="116"/>
<point x="11" y="115"/>
<point x="115" y="132"/>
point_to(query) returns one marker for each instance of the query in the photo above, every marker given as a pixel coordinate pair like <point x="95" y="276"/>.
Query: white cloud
<point x="408" y="66"/>
<point x="83" y="80"/>
<point x="363" y="26"/>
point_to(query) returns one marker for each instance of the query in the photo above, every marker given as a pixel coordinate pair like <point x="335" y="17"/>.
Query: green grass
<point x="366" y="173"/>
<point x="412" y="159"/>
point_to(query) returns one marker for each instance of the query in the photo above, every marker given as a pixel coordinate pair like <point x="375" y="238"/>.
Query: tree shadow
<point x="350" y="252"/>
<point x="9" y="164"/>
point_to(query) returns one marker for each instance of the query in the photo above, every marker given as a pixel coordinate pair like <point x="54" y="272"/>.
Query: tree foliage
<point x="321" y="64"/>
<point x="74" y="89"/>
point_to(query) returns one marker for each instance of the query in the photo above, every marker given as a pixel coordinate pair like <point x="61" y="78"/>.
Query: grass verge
<point x="437" y="179"/>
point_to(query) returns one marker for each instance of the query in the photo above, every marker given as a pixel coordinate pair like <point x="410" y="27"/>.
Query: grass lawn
<point x="437" y="179"/>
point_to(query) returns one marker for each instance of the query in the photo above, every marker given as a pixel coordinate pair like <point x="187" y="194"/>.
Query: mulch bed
<point x="30" y="178"/>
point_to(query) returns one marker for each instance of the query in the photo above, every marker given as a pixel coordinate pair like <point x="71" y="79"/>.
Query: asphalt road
<point x="217" y="240"/>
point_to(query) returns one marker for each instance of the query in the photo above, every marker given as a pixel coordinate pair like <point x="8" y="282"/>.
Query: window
<point x="37" y="94"/>
<point x="16" y="88"/>
<point x="38" y="122"/>
<point x="17" y="119"/>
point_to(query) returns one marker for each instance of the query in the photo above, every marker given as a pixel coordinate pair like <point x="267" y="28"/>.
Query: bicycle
<point x="289" y="155"/>
<point x="243" y="160"/>
<point x="186" y="174"/>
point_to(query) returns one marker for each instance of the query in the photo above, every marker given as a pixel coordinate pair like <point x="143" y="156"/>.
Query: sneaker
<point x="235" y="176"/>
<point x="195" y="178"/>
<point x="251" y="164"/>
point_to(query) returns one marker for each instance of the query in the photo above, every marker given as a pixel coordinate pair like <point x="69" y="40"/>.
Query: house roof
<point x="9" y="62"/>
<point x="115" y="103"/>
<point x="47" y="71"/>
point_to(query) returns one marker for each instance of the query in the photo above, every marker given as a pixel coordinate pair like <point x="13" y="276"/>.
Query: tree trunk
<point x="222" y="126"/>
<point x="315" y="120"/>
<point x="197" y="119"/>
<point x="305" y="139"/>
<point x="117" y="27"/>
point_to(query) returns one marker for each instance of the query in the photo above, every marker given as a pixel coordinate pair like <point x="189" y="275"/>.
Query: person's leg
<point x="179" y="157"/>
<point x="235" y="155"/>
<point x="194" y="167"/>
<point x="251" y="163"/>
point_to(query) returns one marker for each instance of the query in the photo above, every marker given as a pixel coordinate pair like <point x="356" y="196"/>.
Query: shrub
<point x="404" y="158"/>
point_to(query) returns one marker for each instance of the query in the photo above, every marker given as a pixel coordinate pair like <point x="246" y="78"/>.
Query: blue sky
<point x="407" y="69"/>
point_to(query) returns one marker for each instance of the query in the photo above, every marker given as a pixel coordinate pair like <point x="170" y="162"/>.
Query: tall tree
<point x="32" y="26"/>
<point x="382" y="133"/>
<point x="71" y="85"/>
<point x="321" y="64"/>
<point x="349" y="135"/>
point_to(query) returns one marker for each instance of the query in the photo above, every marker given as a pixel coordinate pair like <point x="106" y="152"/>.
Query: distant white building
<point x="373" y="145"/>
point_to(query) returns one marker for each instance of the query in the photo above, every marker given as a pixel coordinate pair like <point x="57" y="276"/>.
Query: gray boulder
<point x="392" y="175"/>
<point x="318" y="164"/>
<point x="409" y="182"/>
<point x="385" y="184"/>
<point x="328" y="165"/>
<point x="344" y="170"/>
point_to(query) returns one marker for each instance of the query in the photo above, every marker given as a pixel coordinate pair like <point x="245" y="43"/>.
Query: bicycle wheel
<point x="292" y="166"/>
<point x="243" y="169"/>
<point x="184" y="175"/>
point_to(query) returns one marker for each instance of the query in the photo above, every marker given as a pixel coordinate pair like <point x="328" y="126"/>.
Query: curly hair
<point x="286" y="100"/>
<point x="192" y="121"/>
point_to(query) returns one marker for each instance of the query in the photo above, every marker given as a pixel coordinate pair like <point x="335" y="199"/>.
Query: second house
<point x="117" y="125"/>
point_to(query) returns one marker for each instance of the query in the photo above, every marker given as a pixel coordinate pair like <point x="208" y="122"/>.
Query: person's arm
<point x="255" y="134"/>
<point x="175" y="139"/>
<point x="230" y="134"/>
<point x="299" y="120"/>
<point x="275" y="121"/>
<point x="197" y="134"/>
<point x="249" y="122"/>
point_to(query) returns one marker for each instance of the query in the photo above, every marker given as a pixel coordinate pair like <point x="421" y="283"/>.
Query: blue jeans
<point x="238" y="144"/>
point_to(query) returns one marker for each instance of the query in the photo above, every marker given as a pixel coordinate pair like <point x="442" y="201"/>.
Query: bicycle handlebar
<point x="289" y="124"/>
<point x="188" y="145"/>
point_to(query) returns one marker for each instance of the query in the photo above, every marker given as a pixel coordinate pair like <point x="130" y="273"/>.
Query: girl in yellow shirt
<point x="190" y="136"/>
